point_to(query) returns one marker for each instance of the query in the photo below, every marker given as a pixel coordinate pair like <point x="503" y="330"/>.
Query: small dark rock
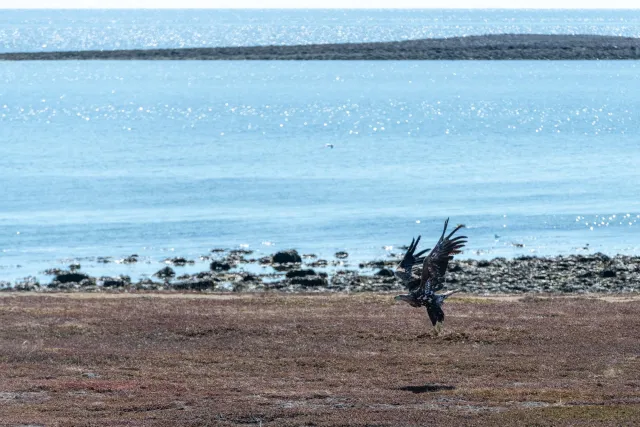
<point x="342" y="255"/>
<point x="69" y="277"/>
<point x="483" y="263"/>
<point x="178" y="261"/>
<point x="115" y="282"/>
<point x="319" y="263"/>
<point x="285" y="257"/>
<point x="130" y="259"/>
<point x="300" y="273"/>
<point x="608" y="273"/>
<point x="376" y="264"/>
<point x="165" y="273"/>
<point x="344" y="279"/>
<point x="454" y="267"/>
<point x="103" y="260"/>
<point x="196" y="284"/>
<point x="219" y="266"/>
<point x="240" y="252"/>
<point x="74" y="267"/>
<point x="217" y="250"/>
<point x="53" y="271"/>
<point x="148" y="285"/>
<point x="385" y="272"/>
<point x="309" y="281"/>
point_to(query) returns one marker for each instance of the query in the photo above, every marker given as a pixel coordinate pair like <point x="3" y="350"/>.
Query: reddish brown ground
<point x="285" y="360"/>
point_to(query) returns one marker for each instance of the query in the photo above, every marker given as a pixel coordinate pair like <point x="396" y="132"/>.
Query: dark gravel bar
<point x="287" y="271"/>
<point x="488" y="47"/>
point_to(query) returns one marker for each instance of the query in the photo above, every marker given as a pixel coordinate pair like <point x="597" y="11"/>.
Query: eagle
<point x="423" y="275"/>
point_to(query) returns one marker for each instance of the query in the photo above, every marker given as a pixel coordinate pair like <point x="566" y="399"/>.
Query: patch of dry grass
<point x="316" y="360"/>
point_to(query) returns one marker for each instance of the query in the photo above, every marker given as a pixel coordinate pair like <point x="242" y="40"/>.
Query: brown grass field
<point x="316" y="360"/>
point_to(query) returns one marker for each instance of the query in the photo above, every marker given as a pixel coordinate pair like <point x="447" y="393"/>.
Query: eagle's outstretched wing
<point x="435" y="264"/>
<point x="411" y="263"/>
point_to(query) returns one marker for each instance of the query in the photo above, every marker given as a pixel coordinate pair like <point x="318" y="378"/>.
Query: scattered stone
<point x="103" y="260"/>
<point x="53" y="271"/>
<point x="74" y="267"/>
<point x="608" y="273"/>
<point x="321" y="263"/>
<point x="217" y="250"/>
<point x="309" y="256"/>
<point x="219" y="266"/>
<point x="378" y="264"/>
<point x="309" y="281"/>
<point x="71" y="277"/>
<point x="115" y="282"/>
<point x="178" y="261"/>
<point x="131" y="259"/>
<point x="300" y="273"/>
<point x="286" y="257"/>
<point x="345" y="280"/>
<point x="199" y="282"/>
<point x="342" y="255"/>
<point x="149" y="285"/>
<point x="29" y="283"/>
<point x="240" y="252"/>
<point x="165" y="273"/>
<point x="385" y="272"/>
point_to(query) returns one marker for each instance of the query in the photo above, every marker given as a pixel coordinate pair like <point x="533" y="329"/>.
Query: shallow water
<point x="56" y="30"/>
<point x="176" y="158"/>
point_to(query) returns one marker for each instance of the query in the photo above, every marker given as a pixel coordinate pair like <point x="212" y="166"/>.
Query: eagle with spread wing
<point x="423" y="275"/>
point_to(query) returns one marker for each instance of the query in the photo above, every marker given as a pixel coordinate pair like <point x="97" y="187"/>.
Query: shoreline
<point x="486" y="47"/>
<point x="236" y="271"/>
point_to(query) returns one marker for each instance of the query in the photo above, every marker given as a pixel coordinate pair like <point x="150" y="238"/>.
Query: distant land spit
<point x="489" y="47"/>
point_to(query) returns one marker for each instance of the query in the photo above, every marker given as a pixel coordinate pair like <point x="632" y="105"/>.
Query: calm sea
<point x="169" y="159"/>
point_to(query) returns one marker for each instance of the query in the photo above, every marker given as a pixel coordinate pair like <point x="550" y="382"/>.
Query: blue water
<point x="168" y="159"/>
<point x="51" y="30"/>
<point x="175" y="158"/>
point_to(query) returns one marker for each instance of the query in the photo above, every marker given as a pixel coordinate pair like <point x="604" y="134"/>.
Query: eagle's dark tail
<point x="434" y="309"/>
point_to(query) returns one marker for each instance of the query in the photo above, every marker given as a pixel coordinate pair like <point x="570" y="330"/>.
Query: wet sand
<point x="324" y="360"/>
<point x="489" y="47"/>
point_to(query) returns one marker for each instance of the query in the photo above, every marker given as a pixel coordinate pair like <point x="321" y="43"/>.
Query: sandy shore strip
<point x="488" y="47"/>
<point x="323" y="360"/>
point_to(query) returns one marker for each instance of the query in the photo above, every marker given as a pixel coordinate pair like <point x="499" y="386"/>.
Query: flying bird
<point x="423" y="276"/>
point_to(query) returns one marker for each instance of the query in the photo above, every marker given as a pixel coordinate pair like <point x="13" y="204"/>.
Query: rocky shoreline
<point x="487" y="47"/>
<point x="288" y="271"/>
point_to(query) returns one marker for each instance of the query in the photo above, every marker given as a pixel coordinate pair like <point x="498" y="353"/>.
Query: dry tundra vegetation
<point x="316" y="360"/>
